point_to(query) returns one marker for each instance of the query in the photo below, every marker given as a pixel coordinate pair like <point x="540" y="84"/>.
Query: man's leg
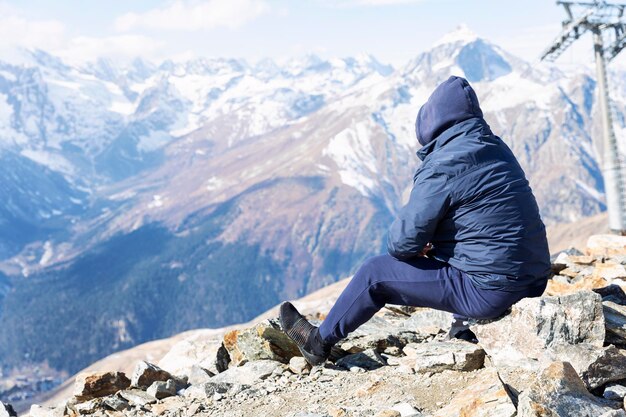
<point x="421" y="281"/>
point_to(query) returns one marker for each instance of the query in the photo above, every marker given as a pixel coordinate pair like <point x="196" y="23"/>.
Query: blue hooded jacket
<point x="470" y="198"/>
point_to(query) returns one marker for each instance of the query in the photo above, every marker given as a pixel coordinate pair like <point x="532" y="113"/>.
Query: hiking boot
<point x="304" y="334"/>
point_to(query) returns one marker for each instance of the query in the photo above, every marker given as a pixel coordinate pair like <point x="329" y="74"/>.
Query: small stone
<point x="137" y="397"/>
<point x="160" y="389"/>
<point x="207" y="389"/>
<point x="89" y="386"/>
<point x="116" y="403"/>
<point x="615" y="392"/>
<point x="6" y="410"/>
<point x="368" y="359"/>
<point x="388" y="413"/>
<point x="88" y="407"/>
<point x="581" y="259"/>
<point x="406" y="410"/>
<point x="146" y="373"/>
<point x="299" y="365"/>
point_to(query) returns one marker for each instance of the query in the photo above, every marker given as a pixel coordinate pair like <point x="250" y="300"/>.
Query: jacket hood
<point x="452" y="102"/>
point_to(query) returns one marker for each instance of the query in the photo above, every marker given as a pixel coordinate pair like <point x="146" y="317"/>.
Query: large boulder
<point x="542" y="330"/>
<point x="200" y="350"/>
<point x="89" y="386"/>
<point x="559" y="391"/>
<point x="265" y="340"/>
<point x="438" y="356"/>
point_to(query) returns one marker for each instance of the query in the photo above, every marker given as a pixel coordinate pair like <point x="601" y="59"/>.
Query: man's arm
<point x="417" y="221"/>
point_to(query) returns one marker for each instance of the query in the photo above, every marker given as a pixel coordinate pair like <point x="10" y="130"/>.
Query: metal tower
<point x="604" y="21"/>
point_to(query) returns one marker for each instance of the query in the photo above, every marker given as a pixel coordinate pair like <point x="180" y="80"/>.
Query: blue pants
<point x="420" y="282"/>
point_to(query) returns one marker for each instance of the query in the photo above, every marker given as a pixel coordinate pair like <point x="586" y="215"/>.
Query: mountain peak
<point x="462" y="34"/>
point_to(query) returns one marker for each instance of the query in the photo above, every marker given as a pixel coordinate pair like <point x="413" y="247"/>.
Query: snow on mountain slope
<point x="229" y="184"/>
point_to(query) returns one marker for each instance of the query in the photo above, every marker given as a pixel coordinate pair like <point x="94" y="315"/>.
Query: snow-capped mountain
<point x="150" y="199"/>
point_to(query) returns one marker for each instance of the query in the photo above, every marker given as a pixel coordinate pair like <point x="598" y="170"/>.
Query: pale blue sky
<point x="392" y="30"/>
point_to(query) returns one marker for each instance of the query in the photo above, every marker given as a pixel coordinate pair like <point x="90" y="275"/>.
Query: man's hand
<point x="426" y="248"/>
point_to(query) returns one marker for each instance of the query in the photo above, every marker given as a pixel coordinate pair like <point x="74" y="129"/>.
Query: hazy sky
<point x="392" y="30"/>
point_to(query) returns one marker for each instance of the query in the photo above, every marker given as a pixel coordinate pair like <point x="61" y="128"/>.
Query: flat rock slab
<point x="247" y="374"/>
<point x="486" y="397"/>
<point x="558" y="391"/>
<point x="137" y="397"/>
<point x="438" y="356"/>
<point x="89" y="386"/>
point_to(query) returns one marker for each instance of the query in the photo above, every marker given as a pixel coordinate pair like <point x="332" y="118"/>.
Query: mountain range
<point x="141" y="200"/>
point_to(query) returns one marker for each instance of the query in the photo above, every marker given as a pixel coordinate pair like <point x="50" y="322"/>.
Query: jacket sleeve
<point x="417" y="221"/>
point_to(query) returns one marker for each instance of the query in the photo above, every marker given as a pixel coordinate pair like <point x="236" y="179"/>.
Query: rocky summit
<point x="561" y="354"/>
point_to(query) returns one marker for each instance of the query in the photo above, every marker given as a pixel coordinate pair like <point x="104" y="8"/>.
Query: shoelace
<point x="300" y="331"/>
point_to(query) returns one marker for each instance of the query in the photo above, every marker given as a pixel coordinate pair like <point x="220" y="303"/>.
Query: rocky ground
<point x="563" y="354"/>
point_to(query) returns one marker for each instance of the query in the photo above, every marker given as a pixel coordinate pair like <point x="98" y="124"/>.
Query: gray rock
<point x="247" y="374"/>
<point x="615" y="392"/>
<point x="116" y="403"/>
<point x="559" y="391"/>
<point x="88" y="407"/>
<point x="198" y="375"/>
<point x="210" y="389"/>
<point x="160" y="389"/>
<point x="368" y="359"/>
<point x="429" y="320"/>
<point x="146" y="373"/>
<point x="542" y="330"/>
<point x="89" y="386"/>
<point x="441" y="355"/>
<point x="601" y="366"/>
<point x="199" y="350"/>
<point x="299" y="365"/>
<point x="137" y="397"/>
<point x="6" y="410"/>
<point x="406" y="410"/>
<point x="615" y="322"/>
<point x="265" y="340"/>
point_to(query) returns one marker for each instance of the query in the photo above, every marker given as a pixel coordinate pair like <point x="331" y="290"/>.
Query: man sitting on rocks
<point x="469" y="241"/>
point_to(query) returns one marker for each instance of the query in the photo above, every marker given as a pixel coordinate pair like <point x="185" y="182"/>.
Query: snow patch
<point x="353" y="153"/>
<point x="153" y="141"/>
